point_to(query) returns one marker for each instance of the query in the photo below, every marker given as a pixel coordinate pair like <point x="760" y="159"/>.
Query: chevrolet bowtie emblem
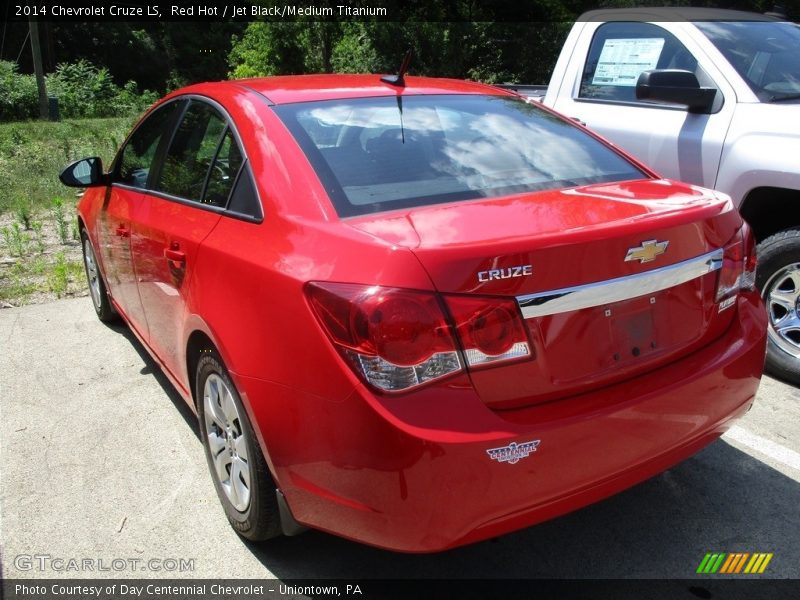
<point x="647" y="252"/>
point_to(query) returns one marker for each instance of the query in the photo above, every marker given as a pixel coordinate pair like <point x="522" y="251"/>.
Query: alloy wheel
<point x="92" y="273"/>
<point x="227" y="442"/>
<point x="782" y="296"/>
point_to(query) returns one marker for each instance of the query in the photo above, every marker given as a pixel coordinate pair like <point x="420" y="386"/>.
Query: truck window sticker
<point x="622" y="60"/>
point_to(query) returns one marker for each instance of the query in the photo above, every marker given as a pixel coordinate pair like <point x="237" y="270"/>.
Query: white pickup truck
<point x="710" y="97"/>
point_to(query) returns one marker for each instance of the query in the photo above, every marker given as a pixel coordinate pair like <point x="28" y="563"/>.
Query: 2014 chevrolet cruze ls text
<point x="420" y="313"/>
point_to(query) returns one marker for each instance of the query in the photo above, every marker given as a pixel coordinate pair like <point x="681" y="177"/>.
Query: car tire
<point x="240" y="474"/>
<point x="778" y="278"/>
<point x="97" y="286"/>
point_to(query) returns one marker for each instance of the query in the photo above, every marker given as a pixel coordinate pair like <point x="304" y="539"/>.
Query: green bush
<point x="19" y="98"/>
<point x="32" y="154"/>
<point x="83" y="91"/>
<point x="129" y="101"/>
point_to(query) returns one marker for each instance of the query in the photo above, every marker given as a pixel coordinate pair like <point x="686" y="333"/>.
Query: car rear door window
<point x="203" y="160"/>
<point x="190" y="155"/>
<point x="136" y="158"/>
<point x="224" y="171"/>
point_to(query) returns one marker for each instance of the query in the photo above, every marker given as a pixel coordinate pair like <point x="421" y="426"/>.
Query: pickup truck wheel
<point x="243" y="483"/>
<point x="778" y="278"/>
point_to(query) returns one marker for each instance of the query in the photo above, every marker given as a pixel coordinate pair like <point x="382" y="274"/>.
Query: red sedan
<point x="419" y="313"/>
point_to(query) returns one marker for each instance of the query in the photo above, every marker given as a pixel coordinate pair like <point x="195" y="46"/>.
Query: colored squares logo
<point x="734" y="563"/>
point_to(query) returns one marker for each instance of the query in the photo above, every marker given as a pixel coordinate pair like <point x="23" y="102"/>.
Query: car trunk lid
<point x="593" y="317"/>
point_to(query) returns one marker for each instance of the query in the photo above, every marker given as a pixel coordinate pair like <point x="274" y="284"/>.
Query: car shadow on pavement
<point x="721" y="500"/>
<point x="152" y="368"/>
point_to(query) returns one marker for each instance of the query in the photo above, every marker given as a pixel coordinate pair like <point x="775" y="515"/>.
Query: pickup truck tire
<point x="778" y="278"/>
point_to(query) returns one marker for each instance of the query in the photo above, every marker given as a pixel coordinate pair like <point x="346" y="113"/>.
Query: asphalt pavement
<point x="101" y="468"/>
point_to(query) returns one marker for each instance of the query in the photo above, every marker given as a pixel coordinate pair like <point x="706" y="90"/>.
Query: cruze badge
<point x="514" y="452"/>
<point x="505" y="273"/>
<point x="647" y="252"/>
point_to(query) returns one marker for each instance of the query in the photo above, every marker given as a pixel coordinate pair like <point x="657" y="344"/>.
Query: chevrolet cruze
<point x="418" y="312"/>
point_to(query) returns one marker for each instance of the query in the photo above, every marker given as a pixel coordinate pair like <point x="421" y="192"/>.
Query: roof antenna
<point x="402" y="128"/>
<point x="399" y="79"/>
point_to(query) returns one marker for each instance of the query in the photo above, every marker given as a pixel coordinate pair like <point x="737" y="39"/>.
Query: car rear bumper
<point x="412" y="473"/>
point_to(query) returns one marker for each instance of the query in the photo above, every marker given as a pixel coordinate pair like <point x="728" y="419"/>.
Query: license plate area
<point x="580" y="350"/>
<point x="632" y="329"/>
<point x="603" y="343"/>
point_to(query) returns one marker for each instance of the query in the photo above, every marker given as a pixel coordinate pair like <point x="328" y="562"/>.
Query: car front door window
<point x="135" y="161"/>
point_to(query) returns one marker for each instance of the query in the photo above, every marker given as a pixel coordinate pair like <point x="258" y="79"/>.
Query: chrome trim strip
<point x="622" y="288"/>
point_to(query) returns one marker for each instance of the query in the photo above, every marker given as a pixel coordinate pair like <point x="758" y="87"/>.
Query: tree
<point x="267" y="48"/>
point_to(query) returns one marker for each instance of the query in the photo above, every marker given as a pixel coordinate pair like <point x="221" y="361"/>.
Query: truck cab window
<point x="621" y="51"/>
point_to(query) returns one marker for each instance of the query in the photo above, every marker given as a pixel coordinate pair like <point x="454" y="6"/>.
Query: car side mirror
<point x="87" y="172"/>
<point x="675" y="86"/>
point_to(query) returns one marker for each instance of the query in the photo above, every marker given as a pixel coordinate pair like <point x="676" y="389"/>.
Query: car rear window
<point x="377" y="154"/>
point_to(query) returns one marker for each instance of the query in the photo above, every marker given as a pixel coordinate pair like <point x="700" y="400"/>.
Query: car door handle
<point x="122" y="231"/>
<point x="174" y="255"/>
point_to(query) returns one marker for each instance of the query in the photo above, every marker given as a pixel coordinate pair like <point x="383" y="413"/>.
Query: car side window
<point x="136" y="158"/>
<point x="621" y="51"/>
<point x="224" y="171"/>
<point x="191" y="153"/>
<point x="244" y="199"/>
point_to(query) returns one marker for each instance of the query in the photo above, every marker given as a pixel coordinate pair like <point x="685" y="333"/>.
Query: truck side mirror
<point x="675" y="86"/>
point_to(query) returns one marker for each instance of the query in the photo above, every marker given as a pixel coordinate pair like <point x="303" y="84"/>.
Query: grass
<point x="17" y="291"/>
<point x="42" y="276"/>
<point x="41" y="263"/>
<point x="14" y="239"/>
<point x="40" y="256"/>
<point x="60" y="218"/>
<point x="32" y="154"/>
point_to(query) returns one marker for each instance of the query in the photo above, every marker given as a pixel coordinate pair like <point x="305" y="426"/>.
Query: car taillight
<point x="738" y="270"/>
<point x="397" y="339"/>
<point x="490" y="329"/>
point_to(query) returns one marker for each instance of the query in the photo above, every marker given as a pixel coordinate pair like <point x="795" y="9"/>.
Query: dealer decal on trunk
<point x="513" y="452"/>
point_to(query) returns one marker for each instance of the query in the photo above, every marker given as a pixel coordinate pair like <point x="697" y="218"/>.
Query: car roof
<point x="673" y="13"/>
<point x="308" y="88"/>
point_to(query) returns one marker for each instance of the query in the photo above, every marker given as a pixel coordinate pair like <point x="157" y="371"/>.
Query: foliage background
<point x="108" y="69"/>
<point x="105" y="74"/>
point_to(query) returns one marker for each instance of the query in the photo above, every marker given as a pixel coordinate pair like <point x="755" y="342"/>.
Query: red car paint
<point x="409" y="470"/>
